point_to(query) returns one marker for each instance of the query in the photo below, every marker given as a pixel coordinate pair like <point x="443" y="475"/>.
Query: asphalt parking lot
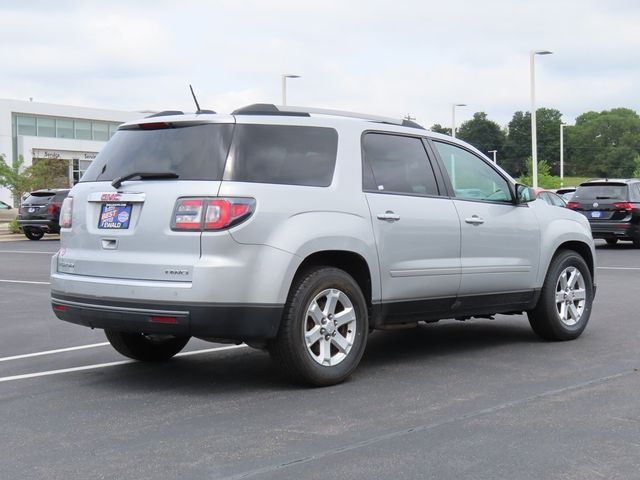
<point x="482" y="399"/>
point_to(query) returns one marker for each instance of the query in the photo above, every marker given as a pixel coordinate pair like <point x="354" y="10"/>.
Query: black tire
<point x="290" y="350"/>
<point x="148" y="348"/>
<point x="611" y="241"/>
<point x="545" y="319"/>
<point x="33" y="233"/>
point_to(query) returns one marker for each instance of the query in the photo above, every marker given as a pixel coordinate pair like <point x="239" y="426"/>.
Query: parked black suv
<point x="40" y="212"/>
<point x="612" y="207"/>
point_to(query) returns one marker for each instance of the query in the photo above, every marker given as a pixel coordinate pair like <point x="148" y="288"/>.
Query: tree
<point x="436" y="127"/>
<point x="604" y="144"/>
<point x="482" y="133"/>
<point x="636" y="170"/>
<point x="545" y="179"/>
<point x="44" y="173"/>
<point x="518" y="144"/>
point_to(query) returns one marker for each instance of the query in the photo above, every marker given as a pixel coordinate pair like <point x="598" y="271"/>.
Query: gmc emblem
<point x="110" y="197"/>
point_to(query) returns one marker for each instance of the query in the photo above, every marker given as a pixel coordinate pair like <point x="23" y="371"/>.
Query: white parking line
<point x="109" y="364"/>
<point x="49" y="352"/>
<point x="24" y="281"/>
<point x="618" y="268"/>
<point x="26" y="251"/>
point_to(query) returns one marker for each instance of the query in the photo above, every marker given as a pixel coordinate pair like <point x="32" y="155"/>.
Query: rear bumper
<point x="46" y="225"/>
<point x="225" y="321"/>
<point x="614" y="230"/>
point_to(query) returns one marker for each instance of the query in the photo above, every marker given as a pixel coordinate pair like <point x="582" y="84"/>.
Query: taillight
<point x="200" y="214"/>
<point x="65" y="212"/>
<point x="573" y="205"/>
<point x="188" y="214"/>
<point x="52" y="208"/>
<point x="623" y="206"/>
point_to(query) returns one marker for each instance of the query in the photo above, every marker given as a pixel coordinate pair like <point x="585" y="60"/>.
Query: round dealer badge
<point x="123" y="217"/>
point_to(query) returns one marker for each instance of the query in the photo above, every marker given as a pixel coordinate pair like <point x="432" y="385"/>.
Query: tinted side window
<point x="396" y="164"/>
<point x="283" y="154"/>
<point x="471" y="177"/>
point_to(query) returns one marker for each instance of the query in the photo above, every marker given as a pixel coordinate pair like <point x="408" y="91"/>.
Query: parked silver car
<point x="300" y="230"/>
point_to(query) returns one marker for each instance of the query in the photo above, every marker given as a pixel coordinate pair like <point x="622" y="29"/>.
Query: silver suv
<point x="300" y="231"/>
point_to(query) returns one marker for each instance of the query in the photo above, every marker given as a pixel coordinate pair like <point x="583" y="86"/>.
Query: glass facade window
<point x="64" y="128"/>
<point x="83" y="129"/>
<point x="26" y="125"/>
<point x="100" y="131"/>
<point x="112" y="129"/>
<point x="46" y="127"/>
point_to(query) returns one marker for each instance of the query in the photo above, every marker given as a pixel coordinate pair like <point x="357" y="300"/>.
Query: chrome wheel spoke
<point x="315" y="312"/>
<point x="325" y="352"/>
<point x="332" y="300"/>
<point x="580" y="294"/>
<point x="573" y="311"/>
<point x="346" y="316"/>
<point x="341" y="343"/>
<point x="312" y="336"/>
<point x="560" y="296"/>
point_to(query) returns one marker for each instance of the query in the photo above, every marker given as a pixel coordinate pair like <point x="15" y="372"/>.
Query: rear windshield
<point x="44" y="197"/>
<point x="196" y="152"/>
<point x="601" y="191"/>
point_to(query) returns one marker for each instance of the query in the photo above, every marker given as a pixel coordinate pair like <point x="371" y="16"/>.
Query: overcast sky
<point x="388" y="57"/>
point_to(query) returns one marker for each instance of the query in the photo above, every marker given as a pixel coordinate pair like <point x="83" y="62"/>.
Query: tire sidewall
<point x="323" y="279"/>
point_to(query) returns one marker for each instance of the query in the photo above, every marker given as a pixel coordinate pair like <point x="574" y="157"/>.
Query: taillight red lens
<point x="188" y="214"/>
<point x="66" y="213"/>
<point x="211" y="213"/>
<point x="52" y="208"/>
<point x="573" y="205"/>
<point x="623" y="206"/>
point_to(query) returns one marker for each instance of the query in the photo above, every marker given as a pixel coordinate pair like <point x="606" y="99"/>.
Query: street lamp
<point x="562" y="125"/>
<point x="453" y="117"/>
<point x="534" y="140"/>
<point x="494" y="156"/>
<point x="284" y="85"/>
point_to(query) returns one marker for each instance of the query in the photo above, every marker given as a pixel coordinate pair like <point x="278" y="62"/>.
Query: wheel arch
<point x="351" y="262"/>
<point x="581" y="249"/>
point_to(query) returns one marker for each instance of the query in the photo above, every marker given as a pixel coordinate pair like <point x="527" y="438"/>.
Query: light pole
<point x="284" y="85"/>
<point x="562" y="125"/>
<point x="534" y="139"/>
<point x="494" y="156"/>
<point x="453" y="117"/>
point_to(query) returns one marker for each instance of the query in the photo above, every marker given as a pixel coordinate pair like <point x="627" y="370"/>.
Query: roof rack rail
<point x="165" y="113"/>
<point x="271" y="109"/>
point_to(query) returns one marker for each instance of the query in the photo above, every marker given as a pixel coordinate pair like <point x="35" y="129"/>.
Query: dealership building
<point x="61" y="133"/>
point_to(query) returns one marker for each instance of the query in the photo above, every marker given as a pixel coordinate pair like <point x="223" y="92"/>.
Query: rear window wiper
<point x="143" y="176"/>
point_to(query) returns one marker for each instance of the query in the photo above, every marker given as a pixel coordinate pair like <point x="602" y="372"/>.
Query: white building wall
<point x="27" y="144"/>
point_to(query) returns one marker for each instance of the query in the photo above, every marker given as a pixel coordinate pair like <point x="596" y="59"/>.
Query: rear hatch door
<point x="602" y="201"/>
<point x="126" y="232"/>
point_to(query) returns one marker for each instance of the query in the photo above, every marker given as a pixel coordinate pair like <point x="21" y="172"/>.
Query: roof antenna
<point x="194" y="99"/>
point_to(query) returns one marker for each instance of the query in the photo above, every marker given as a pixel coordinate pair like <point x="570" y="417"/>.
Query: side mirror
<point x="524" y="194"/>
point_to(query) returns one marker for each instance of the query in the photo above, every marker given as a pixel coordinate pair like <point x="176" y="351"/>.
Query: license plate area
<point x="596" y="214"/>
<point x="114" y="216"/>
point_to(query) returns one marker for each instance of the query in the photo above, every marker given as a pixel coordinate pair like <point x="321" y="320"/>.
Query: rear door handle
<point x="388" y="216"/>
<point x="474" y="220"/>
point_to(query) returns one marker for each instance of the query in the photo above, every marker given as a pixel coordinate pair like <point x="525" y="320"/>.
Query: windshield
<point x="195" y="152"/>
<point x="599" y="191"/>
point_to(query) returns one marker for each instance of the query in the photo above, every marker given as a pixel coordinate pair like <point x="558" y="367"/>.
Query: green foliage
<point x="482" y="133"/>
<point x="436" y="127"/>
<point x="518" y="145"/>
<point x="636" y="170"/>
<point x="42" y="174"/>
<point x="13" y="226"/>
<point x="545" y="179"/>
<point x="603" y="144"/>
